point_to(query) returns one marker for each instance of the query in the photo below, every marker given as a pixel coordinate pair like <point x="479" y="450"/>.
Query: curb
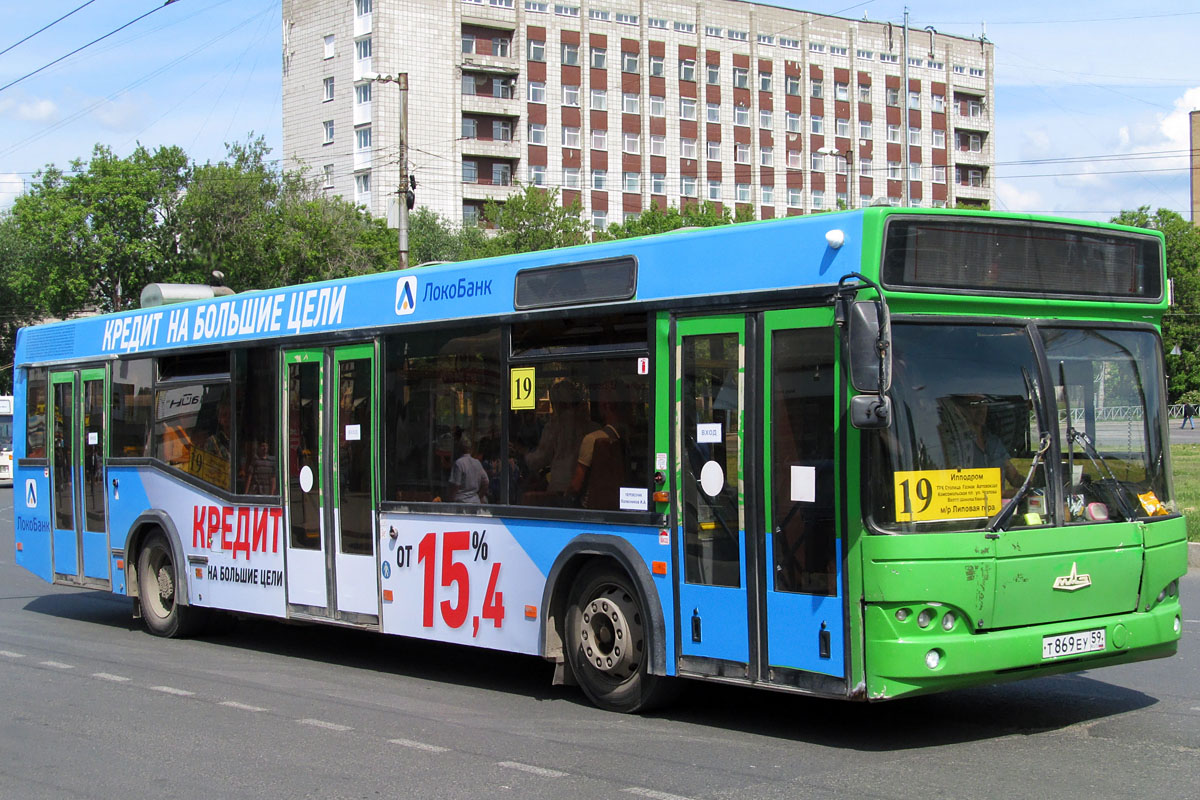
<point x="1194" y="554"/>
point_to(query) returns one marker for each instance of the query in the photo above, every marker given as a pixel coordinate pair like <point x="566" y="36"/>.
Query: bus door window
<point x="355" y="496"/>
<point x="35" y="413"/>
<point x="802" y="437"/>
<point x="64" y="456"/>
<point x="304" y="451"/>
<point x="93" y="455"/>
<point x="711" y="404"/>
<point x="256" y="435"/>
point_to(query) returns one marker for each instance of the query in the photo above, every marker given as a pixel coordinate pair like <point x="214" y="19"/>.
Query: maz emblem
<point x="1069" y="583"/>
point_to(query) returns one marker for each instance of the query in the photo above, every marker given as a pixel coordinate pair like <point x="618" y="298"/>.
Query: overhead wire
<point x="46" y="27"/>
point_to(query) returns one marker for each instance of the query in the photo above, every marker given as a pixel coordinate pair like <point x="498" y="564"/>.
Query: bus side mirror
<point x="870" y="365"/>
<point x="870" y="411"/>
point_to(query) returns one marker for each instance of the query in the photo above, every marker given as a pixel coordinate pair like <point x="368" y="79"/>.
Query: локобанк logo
<point x="30" y="493"/>
<point x="406" y="294"/>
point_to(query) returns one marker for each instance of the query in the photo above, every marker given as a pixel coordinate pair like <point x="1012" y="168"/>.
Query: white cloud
<point x="38" y="111"/>
<point x="11" y="186"/>
<point x="123" y="114"/>
<point x="1010" y="197"/>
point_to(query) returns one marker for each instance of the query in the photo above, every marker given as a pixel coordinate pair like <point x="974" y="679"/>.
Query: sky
<point x="1091" y="106"/>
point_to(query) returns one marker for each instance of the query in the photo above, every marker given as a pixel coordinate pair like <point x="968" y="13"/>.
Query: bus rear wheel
<point x="158" y="577"/>
<point x="609" y="642"/>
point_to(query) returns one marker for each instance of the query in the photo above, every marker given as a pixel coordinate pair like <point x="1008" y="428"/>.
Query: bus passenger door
<point x="77" y="423"/>
<point x="710" y="366"/>
<point x="803" y="576"/>
<point x="331" y="564"/>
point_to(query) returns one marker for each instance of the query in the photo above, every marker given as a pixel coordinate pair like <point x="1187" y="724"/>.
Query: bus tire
<point x="608" y="642"/>
<point x="158" y="577"/>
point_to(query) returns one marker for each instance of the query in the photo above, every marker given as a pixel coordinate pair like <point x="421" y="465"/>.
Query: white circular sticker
<point x="712" y="479"/>
<point x="306" y="479"/>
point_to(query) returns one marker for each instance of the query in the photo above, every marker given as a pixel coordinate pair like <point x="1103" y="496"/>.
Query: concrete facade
<point x="624" y="103"/>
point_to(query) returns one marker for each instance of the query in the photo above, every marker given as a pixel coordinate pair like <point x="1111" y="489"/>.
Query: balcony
<point x="491" y="148"/>
<point x="362" y="66"/>
<point x="362" y="24"/>
<point x="362" y="113"/>
<point x="484" y="189"/>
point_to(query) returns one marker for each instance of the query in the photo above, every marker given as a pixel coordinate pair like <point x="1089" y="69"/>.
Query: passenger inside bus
<point x="601" y="466"/>
<point x="557" y="452"/>
<point x="968" y="440"/>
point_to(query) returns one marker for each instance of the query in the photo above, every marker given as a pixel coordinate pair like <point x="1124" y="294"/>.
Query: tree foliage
<point x="1181" y="324"/>
<point x="432" y="237"/>
<point x="655" y="219"/>
<point x="533" y="219"/>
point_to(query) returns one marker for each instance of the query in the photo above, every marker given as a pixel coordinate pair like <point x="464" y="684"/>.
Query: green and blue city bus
<point x="862" y="455"/>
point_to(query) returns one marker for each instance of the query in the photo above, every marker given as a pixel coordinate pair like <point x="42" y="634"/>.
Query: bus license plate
<point x="1072" y="644"/>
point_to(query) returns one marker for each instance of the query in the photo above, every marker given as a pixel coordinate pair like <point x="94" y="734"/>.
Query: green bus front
<point x="1017" y="510"/>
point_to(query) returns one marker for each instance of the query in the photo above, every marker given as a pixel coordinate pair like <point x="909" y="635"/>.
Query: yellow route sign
<point x="524" y="383"/>
<point x="940" y="494"/>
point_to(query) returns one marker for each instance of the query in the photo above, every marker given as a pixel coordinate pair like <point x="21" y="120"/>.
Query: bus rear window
<point x="35" y="413"/>
<point x="968" y="255"/>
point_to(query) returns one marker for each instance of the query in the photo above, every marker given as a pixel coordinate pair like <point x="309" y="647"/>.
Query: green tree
<point x="1181" y="324"/>
<point x="432" y="237"/>
<point x="16" y="285"/>
<point x="533" y="219"/>
<point x="97" y="234"/>
<point x="660" y="220"/>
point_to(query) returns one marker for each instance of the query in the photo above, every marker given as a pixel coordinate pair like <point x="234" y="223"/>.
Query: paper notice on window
<point x="93" y="437"/>
<point x="804" y="484"/>
<point x="634" y="499"/>
<point x="708" y="433"/>
<point x="353" y="433"/>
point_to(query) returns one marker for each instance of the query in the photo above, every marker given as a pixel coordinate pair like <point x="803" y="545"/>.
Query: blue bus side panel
<point x="480" y="580"/>
<point x="95" y="554"/>
<point x="233" y="553"/>
<point x="66" y="552"/>
<point x="31" y="515"/>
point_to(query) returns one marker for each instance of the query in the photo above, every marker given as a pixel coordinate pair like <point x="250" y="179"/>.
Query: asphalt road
<point x="94" y="707"/>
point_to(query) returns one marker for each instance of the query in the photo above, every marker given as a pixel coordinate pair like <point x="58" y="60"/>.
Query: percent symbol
<point x="479" y="545"/>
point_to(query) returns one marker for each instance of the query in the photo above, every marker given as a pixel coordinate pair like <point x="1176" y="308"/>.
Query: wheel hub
<point x="609" y="636"/>
<point x="166" y="583"/>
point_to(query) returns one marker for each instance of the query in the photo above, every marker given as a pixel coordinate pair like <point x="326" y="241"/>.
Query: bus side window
<point x="132" y="406"/>
<point x="256" y="417"/>
<point x="35" y="414"/>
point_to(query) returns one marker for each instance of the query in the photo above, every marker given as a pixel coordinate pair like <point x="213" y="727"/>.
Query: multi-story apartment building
<point x="624" y="103"/>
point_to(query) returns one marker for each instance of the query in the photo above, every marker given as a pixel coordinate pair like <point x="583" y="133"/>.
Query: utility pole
<point x="402" y="183"/>
<point x="905" y="195"/>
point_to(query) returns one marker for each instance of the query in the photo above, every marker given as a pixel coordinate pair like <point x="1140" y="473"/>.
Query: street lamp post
<point x="401" y="81"/>
<point x="833" y="151"/>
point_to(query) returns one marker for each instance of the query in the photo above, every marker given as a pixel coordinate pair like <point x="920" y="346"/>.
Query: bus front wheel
<point x="609" y="642"/>
<point x="158" y="576"/>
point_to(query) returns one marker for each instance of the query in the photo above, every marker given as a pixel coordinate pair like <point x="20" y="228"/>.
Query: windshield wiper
<point x="1004" y="516"/>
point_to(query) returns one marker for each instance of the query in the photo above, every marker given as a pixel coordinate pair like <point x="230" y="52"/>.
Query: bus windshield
<point x="6" y="432"/>
<point x="972" y="428"/>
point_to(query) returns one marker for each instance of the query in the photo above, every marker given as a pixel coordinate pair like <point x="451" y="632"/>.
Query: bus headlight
<point x="925" y="617"/>
<point x="948" y="621"/>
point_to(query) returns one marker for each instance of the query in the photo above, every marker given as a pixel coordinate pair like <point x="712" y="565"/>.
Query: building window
<point x="599" y="139"/>
<point x="687" y="148"/>
<point x="939" y="102"/>
<point x="892" y="96"/>
<point x="687" y="108"/>
<point x="502" y="130"/>
<point x="738" y="36"/>
<point x="502" y="87"/>
<point x="687" y="70"/>
<point x="631" y="103"/>
<point x="362" y="48"/>
<point x="713" y="74"/>
<point x="741" y="153"/>
<point x="714" y="150"/>
<point x="975" y="108"/>
<point x="712" y="112"/>
<point x="597" y="14"/>
<point x="939" y="174"/>
<point x="764" y="81"/>
<point x="841" y="165"/>
<point x="599" y="179"/>
<point x="765" y="118"/>
<point x="743" y="192"/>
<point x="841" y="91"/>
<point x="537" y="174"/>
<point x="817" y="163"/>
<point x="571" y="177"/>
<point x="741" y="116"/>
<point x="794" y="160"/>
<point x="537" y="92"/>
<point x="658" y="106"/>
<point x="914" y="136"/>
<point x="658" y="67"/>
<point x="537" y="133"/>
<point x="599" y="218"/>
<point x="842" y="127"/>
<point x="328" y="126"/>
<point x="501" y="47"/>
<point x="468" y="43"/>
<point x="818" y="124"/>
<point x="362" y="185"/>
<point x="599" y="58"/>
<point x="633" y="182"/>
<point x="328" y="84"/>
<point x="766" y="156"/>
<point x="792" y="85"/>
<point x="656" y="22"/>
<point x="914" y="100"/>
<point x="627" y="19"/>
<point x="816" y="47"/>
<point x="599" y="100"/>
<point x="570" y="96"/>
<point x="362" y="93"/>
<point x="631" y="143"/>
<point x="501" y="174"/>
<point x="795" y="197"/>
<point x="470" y="171"/>
<point x="327" y="176"/>
<point x="741" y="78"/>
<point x="712" y="30"/>
<point x="865" y="165"/>
<point x="939" y="138"/>
<point x="793" y="123"/>
<point x="714" y="191"/>
<point x="329" y="46"/>
<point x="658" y="183"/>
<point x="658" y="144"/>
<point x="893" y="170"/>
<point x="629" y="62"/>
<point x="536" y="48"/>
<point x="685" y="27"/>
<point x="570" y="55"/>
<point x="864" y="129"/>
<point x="893" y="134"/>
<point x="470" y="128"/>
<point x="818" y="196"/>
<point x="468" y="85"/>
<point x="768" y="195"/>
<point x="570" y="137"/>
<point x="818" y="88"/>
<point x="687" y="186"/>
<point x="864" y="93"/>
<point x="914" y="170"/>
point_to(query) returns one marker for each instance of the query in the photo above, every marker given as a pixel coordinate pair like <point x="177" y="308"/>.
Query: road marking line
<point x="11" y="654"/>
<point x="108" y="676"/>
<point x="654" y="795"/>
<point x="545" y="773"/>
<point x="241" y="706"/>
<point x="56" y="664"/>
<point x="428" y="748"/>
<point x="320" y="723"/>
<point x="172" y="690"/>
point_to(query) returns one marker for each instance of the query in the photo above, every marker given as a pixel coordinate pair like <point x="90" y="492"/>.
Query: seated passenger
<point x="468" y="479"/>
